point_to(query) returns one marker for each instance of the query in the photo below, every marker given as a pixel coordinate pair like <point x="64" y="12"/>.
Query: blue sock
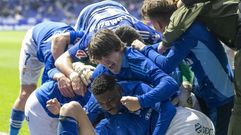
<point x="67" y="126"/>
<point x="16" y="121"/>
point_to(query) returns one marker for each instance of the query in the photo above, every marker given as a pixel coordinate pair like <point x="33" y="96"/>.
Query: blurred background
<point x="22" y="14"/>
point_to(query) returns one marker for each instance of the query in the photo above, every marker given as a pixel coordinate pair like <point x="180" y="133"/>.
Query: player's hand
<point x="81" y="91"/>
<point x="131" y="103"/>
<point x="161" y="48"/>
<point x="77" y="85"/>
<point x="85" y="76"/>
<point x="64" y="85"/>
<point x="138" y="45"/>
<point x="53" y="106"/>
<point x="85" y="72"/>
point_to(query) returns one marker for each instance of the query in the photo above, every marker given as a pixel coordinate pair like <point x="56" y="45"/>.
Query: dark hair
<point x="127" y="34"/>
<point x="103" y="43"/>
<point x="154" y="9"/>
<point x="103" y="83"/>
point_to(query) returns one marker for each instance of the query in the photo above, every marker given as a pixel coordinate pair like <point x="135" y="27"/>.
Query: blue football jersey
<point x="207" y="59"/>
<point x="42" y="35"/>
<point x="124" y="122"/>
<point x="50" y="90"/>
<point x="107" y="15"/>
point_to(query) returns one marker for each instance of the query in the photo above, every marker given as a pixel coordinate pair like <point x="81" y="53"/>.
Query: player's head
<point x="127" y="34"/>
<point x="106" y="48"/>
<point x="107" y="92"/>
<point x="158" y="12"/>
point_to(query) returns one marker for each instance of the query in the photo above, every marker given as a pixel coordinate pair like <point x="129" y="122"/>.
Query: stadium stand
<point x="22" y="14"/>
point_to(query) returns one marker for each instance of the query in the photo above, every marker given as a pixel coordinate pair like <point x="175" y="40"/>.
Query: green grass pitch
<point x="10" y="44"/>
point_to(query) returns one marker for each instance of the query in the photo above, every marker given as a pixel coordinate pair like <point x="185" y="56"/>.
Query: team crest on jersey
<point x="80" y="54"/>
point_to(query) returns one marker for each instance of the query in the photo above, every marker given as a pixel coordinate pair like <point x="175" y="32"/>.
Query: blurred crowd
<point x="55" y="10"/>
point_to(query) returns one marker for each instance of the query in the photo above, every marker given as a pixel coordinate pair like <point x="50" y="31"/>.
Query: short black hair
<point x="127" y="34"/>
<point x="103" y="83"/>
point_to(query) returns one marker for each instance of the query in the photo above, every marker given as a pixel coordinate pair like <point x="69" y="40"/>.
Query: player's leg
<point x="190" y="122"/>
<point x="29" y="69"/>
<point x="235" y="120"/>
<point x="39" y="122"/>
<point x="73" y="120"/>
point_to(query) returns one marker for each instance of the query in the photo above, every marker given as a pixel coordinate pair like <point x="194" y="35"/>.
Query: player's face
<point x="110" y="101"/>
<point x="112" y="61"/>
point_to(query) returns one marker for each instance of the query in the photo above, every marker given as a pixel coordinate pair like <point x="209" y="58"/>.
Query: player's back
<point x="43" y="31"/>
<point x="42" y="34"/>
<point x="105" y="14"/>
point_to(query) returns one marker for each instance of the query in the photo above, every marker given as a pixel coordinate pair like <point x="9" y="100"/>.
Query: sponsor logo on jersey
<point x="112" y="22"/>
<point x="80" y="54"/>
<point x="201" y="129"/>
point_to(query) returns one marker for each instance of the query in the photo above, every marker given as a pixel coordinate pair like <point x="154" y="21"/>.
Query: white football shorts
<point x="39" y="122"/>
<point x="190" y="122"/>
<point x="29" y="65"/>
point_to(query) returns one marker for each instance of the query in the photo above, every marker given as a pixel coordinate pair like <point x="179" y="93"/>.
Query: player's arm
<point x="173" y="58"/>
<point x="190" y="3"/>
<point x="64" y="64"/>
<point x="164" y="86"/>
<point x="180" y="21"/>
<point x="149" y="35"/>
<point x="59" y="44"/>
<point x="64" y="83"/>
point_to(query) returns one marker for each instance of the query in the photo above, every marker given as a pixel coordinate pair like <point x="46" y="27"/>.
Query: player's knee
<point x="26" y="90"/>
<point x="72" y="109"/>
<point x="24" y="95"/>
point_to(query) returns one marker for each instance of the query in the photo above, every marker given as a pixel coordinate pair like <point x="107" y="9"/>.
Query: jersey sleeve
<point x="163" y="85"/>
<point x="190" y="3"/>
<point x="149" y="35"/>
<point x="180" y="21"/>
<point x="180" y="49"/>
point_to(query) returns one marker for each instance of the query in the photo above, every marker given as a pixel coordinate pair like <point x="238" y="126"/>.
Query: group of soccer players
<point x="115" y="75"/>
